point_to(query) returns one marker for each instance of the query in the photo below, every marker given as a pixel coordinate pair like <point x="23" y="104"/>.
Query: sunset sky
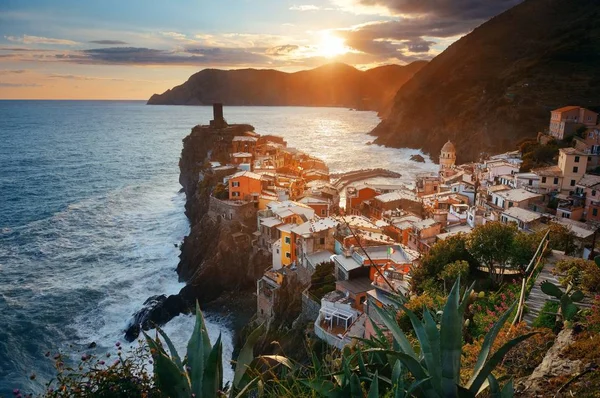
<point x="130" y="49"/>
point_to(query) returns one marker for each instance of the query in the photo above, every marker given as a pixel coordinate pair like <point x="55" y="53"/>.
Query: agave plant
<point x="436" y="366"/>
<point x="200" y="373"/>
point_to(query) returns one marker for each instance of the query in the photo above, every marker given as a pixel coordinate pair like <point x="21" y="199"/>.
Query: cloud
<point x="19" y="85"/>
<point x="282" y="50"/>
<point x="460" y="9"/>
<point x="108" y="42"/>
<point x="94" y="78"/>
<point x="305" y="7"/>
<point x="26" y="39"/>
<point x="12" y="72"/>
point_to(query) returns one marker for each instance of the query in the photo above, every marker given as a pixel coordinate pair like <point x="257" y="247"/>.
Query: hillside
<point x="496" y="86"/>
<point x="329" y="85"/>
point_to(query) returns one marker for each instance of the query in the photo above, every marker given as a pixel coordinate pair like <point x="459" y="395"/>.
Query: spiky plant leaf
<point x="356" y="390"/>
<point x="493" y="361"/>
<point x="488" y="342"/>
<point x="169" y="378"/>
<point x="451" y="342"/>
<point x="198" y="351"/>
<point x="495" y="391"/>
<point x="551" y="289"/>
<point x="399" y="337"/>
<point x="508" y="391"/>
<point x="212" y="379"/>
<point x="246" y="356"/>
<point x="173" y="351"/>
<point x="374" y="389"/>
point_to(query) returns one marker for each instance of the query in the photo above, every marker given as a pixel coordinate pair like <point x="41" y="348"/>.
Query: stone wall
<point x="230" y="211"/>
<point x="310" y="309"/>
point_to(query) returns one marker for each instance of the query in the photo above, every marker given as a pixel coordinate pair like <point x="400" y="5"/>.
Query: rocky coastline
<point x="216" y="258"/>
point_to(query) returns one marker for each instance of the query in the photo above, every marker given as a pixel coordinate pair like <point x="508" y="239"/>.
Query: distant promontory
<point x="333" y="84"/>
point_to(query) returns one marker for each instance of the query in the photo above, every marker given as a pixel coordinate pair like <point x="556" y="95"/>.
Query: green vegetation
<point x="322" y="280"/>
<point x="547" y="316"/>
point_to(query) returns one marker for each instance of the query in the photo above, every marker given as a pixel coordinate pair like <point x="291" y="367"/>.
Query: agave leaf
<point x="374" y="389"/>
<point x="508" y="391"/>
<point x="465" y="299"/>
<point x="415" y="385"/>
<point x="198" y="350"/>
<point x="488" y="342"/>
<point x="170" y="379"/>
<point x="451" y="342"/>
<point x="431" y="355"/>
<point x="323" y="387"/>
<point x="280" y="359"/>
<point x="494" y="387"/>
<point x="397" y="379"/>
<point x="246" y="356"/>
<point x="569" y="310"/>
<point x="316" y="364"/>
<point x="399" y="337"/>
<point x="213" y="371"/>
<point x="415" y="368"/>
<point x="551" y="289"/>
<point x="246" y="388"/>
<point x="577" y="296"/>
<point x="356" y="390"/>
<point x="475" y="385"/>
<point x="174" y="354"/>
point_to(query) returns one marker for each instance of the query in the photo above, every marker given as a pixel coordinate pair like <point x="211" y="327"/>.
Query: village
<point x="373" y="235"/>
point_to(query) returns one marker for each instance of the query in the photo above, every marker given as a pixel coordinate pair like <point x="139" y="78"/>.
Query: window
<point x="555" y="180"/>
<point x="573" y="183"/>
<point x="235" y="183"/>
<point x="322" y="241"/>
<point x="288" y="255"/>
<point x="575" y="169"/>
<point x="287" y="240"/>
<point x="323" y="212"/>
<point x="594" y="192"/>
<point x="277" y="251"/>
<point x="543" y="180"/>
<point x="594" y="212"/>
<point x="510" y="204"/>
<point x="566" y="215"/>
<point x="235" y="194"/>
<point x="530" y="182"/>
<point x="576" y="159"/>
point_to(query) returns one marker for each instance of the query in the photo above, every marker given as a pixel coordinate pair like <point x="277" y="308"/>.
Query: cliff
<point x="496" y="86"/>
<point x="329" y="85"/>
<point x="216" y="257"/>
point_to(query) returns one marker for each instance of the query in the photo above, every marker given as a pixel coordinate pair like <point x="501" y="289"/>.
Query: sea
<point x="91" y="210"/>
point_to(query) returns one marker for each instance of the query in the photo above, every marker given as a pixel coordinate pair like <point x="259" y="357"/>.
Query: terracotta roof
<point x="566" y="108"/>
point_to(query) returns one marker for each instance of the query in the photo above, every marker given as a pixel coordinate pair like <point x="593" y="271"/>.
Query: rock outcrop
<point x="497" y="85"/>
<point x="217" y="255"/>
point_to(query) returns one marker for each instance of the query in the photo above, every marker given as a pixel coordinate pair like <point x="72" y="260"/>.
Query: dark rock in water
<point x="417" y="158"/>
<point x="369" y="143"/>
<point x="92" y="345"/>
<point x="157" y="310"/>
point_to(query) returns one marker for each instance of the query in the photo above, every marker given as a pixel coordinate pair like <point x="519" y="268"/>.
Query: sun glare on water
<point x="331" y="46"/>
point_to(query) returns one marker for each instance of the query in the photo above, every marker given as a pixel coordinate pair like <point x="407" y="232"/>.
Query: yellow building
<point x="573" y="164"/>
<point x="288" y="249"/>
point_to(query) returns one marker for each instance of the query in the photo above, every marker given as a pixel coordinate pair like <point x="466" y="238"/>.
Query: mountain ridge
<point x="333" y="84"/>
<point x="496" y="86"/>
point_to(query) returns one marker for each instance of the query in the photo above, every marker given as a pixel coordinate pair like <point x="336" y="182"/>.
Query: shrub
<point x="547" y="316"/>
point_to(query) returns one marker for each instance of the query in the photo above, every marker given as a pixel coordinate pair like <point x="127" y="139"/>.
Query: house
<point x="506" y="199"/>
<point x="316" y="236"/>
<point x="550" y="179"/>
<point x="402" y="200"/>
<point x="245" y="185"/>
<point x="338" y="321"/>
<point x="573" y="165"/>
<point x="565" y="121"/>
<point x="427" y="185"/>
<point x="423" y="235"/>
<point x="267" y="290"/>
<point x="243" y="143"/>
<point x="356" y="196"/>
<point x="570" y="207"/>
<point x="526" y="220"/>
<point x="590" y="141"/>
<point x="321" y="206"/>
<point x="239" y="158"/>
<point x="496" y="168"/>
<point x="589" y="188"/>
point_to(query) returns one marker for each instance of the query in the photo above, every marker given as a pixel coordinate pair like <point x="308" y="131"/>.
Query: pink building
<point x="564" y="121"/>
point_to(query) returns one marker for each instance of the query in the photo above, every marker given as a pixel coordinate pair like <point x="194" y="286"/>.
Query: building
<point x="526" y="220"/>
<point x="447" y="156"/>
<point x="245" y="186"/>
<point x="573" y="165"/>
<point x="423" y="234"/>
<point x="506" y="199"/>
<point x="239" y="158"/>
<point x="565" y="121"/>
<point x="242" y="143"/>
<point x="356" y="196"/>
<point x="589" y="189"/>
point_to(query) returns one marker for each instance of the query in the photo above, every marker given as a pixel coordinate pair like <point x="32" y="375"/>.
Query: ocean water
<point x="90" y="212"/>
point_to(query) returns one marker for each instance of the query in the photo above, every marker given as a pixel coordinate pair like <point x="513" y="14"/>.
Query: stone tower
<point x="447" y="156"/>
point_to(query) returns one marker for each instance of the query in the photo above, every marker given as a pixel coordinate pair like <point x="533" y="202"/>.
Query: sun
<point x="331" y="46"/>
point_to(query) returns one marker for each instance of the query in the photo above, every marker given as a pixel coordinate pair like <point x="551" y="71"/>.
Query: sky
<point x="131" y="49"/>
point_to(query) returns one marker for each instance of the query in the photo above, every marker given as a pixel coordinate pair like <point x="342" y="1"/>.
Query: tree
<point x="453" y="271"/>
<point x="524" y="247"/>
<point x="491" y="244"/>
<point x="441" y="254"/>
<point x="562" y="239"/>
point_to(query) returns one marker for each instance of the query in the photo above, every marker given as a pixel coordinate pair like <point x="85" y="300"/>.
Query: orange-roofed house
<point x="245" y="185"/>
<point x="565" y="121"/>
<point x="356" y="196"/>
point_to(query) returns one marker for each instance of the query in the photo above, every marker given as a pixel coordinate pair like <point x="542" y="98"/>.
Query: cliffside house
<point x="589" y="189"/>
<point x="245" y="185"/>
<point x="565" y="121"/>
<point x="526" y="220"/>
<point x="243" y="143"/>
<point x="242" y="158"/>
